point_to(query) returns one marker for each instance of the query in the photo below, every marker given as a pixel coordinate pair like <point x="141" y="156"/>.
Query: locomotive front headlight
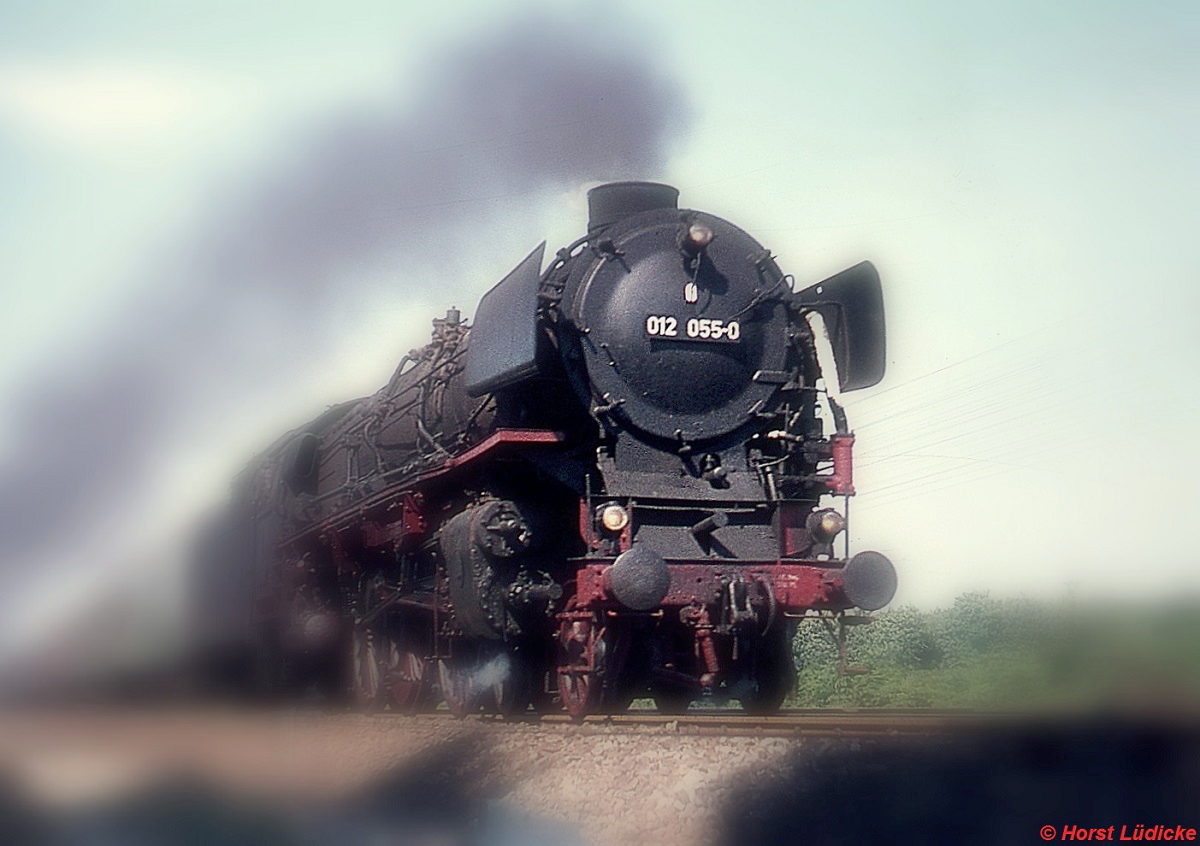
<point x="699" y="235"/>
<point x="612" y="516"/>
<point x="824" y="525"/>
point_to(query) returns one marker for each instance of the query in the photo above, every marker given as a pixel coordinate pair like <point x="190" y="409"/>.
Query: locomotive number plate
<point x="693" y="329"/>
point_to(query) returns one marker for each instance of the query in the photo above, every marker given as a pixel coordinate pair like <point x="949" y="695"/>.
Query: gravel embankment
<point x="604" y="785"/>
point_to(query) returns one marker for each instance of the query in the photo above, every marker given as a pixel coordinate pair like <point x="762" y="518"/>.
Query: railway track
<point x="815" y="722"/>
<point x="714" y="722"/>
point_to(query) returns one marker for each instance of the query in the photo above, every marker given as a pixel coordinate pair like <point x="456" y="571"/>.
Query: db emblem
<point x="691" y="292"/>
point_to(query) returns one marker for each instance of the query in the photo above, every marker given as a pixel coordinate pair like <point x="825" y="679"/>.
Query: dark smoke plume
<point x="535" y="107"/>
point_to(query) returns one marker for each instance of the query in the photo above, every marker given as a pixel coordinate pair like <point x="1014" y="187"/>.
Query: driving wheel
<point x="581" y="654"/>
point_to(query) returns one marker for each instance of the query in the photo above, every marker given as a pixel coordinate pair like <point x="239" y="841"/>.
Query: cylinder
<point x="708" y="525"/>
<point x="609" y="203"/>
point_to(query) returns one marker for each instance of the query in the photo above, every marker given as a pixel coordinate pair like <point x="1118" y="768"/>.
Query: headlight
<point x="612" y="517"/>
<point x="699" y="236"/>
<point x="825" y="524"/>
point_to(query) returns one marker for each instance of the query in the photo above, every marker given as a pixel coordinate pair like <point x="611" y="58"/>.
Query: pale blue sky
<point x="1023" y="175"/>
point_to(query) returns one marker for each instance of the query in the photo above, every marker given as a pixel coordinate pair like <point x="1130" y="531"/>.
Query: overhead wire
<point x="991" y="433"/>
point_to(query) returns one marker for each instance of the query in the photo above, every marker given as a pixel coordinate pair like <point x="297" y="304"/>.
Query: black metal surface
<point x="675" y="387"/>
<point x="851" y="303"/>
<point x="298" y="465"/>
<point x="413" y="422"/>
<point x="504" y="334"/>
<point x="716" y="520"/>
<point x="478" y="582"/>
<point x="869" y="580"/>
<point x="639" y="578"/>
<point x="610" y="203"/>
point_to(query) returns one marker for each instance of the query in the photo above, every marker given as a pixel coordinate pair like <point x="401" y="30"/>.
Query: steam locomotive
<point x="610" y="486"/>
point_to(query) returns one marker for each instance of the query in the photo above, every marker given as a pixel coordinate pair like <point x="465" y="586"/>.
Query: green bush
<point x="985" y="652"/>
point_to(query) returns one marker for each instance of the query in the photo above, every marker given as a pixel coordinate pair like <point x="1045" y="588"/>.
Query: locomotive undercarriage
<point x="686" y="650"/>
<point x="485" y="604"/>
<point x="735" y="646"/>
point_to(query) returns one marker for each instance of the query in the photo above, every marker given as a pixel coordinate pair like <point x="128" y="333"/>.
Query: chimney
<point x="616" y="200"/>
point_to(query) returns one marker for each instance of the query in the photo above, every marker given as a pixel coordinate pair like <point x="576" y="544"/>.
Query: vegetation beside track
<point x="993" y="653"/>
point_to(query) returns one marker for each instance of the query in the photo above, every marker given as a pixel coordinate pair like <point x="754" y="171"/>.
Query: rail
<point x="816" y="722"/>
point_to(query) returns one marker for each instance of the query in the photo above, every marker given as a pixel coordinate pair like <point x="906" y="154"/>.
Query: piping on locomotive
<point x="609" y="486"/>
